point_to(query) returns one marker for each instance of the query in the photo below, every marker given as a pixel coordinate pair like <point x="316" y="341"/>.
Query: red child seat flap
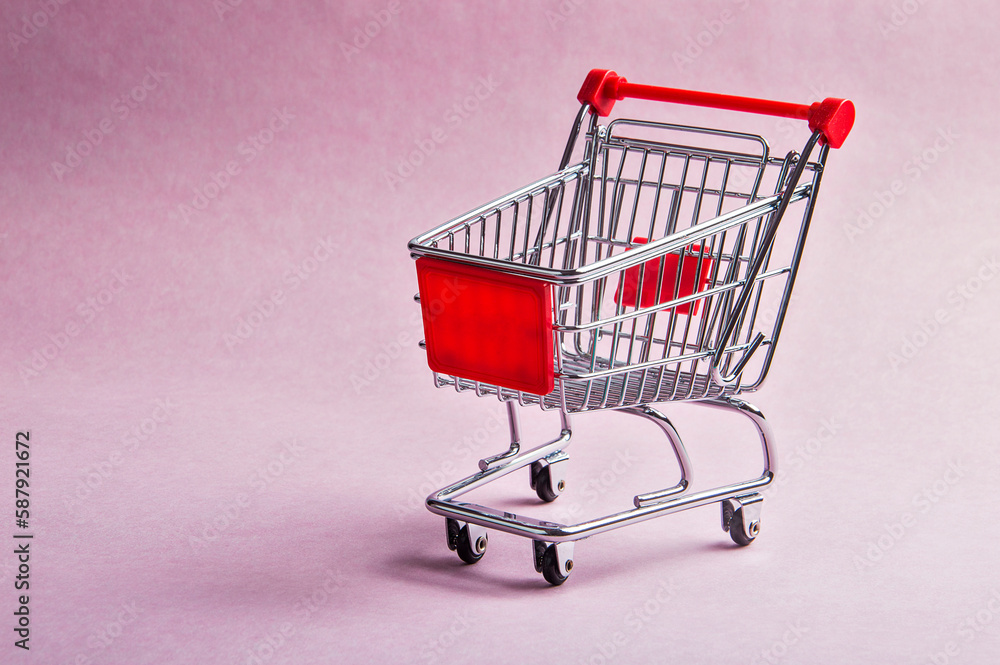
<point x="693" y="269"/>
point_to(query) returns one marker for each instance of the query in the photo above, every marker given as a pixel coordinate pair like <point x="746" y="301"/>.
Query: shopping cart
<point x="655" y="269"/>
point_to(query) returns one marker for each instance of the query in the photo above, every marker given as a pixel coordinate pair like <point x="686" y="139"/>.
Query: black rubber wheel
<point x="541" y="480"/>
<point x="550" y="568"/>
<point x="468" y="551"/>
<point x="452" y="529"/>
<point x="736" y="530"/>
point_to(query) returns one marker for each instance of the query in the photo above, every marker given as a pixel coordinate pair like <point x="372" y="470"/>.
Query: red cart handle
<point x="833" y="118"/>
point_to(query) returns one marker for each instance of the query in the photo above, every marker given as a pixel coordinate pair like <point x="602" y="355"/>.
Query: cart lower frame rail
<point x="467" y="523"/>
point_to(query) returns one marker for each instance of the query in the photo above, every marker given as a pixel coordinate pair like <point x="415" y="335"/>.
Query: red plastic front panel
<point x="486" y="326"/>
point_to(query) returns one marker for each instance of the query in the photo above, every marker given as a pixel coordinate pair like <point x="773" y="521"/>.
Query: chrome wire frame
<point x="642" y="193"/>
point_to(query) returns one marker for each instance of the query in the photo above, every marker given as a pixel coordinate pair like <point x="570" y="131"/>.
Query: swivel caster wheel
<point x="548" y="476"/>
<point x="553" y="560"/>
<point x="469" y="540"/>
<point x="741" y="518"/>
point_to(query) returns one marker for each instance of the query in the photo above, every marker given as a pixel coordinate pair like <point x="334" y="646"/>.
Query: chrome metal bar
<point x="514" y="420"/>
<point x="553" y="204"/>
<point x="667" y="304"/>
<point x="573" y="135"/>
<point x="554" y="532"/>
<point x="765" y="246"/>
<point x="680" y="452"/>
<point x="494" y="472"/>
<point x="760" y="423"/>
<point x="793" y="269"/>
<point x="440" y="503"/>
<point x="613" y="264"/>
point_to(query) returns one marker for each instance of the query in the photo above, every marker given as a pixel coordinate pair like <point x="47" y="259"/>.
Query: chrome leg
<point x="514" y="419"/>
<point x="757" y="418"/>
<point x="498" y="466"/>
<point x="683" y="461"/>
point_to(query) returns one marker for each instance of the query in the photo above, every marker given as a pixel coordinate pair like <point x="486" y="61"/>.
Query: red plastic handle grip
<point x="833" y="118"/>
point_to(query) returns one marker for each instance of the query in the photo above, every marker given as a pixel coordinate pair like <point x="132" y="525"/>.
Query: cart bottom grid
<point x="632" y="387"/>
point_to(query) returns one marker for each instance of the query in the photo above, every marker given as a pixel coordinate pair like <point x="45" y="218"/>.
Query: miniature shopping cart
<point x="658" y="268"/>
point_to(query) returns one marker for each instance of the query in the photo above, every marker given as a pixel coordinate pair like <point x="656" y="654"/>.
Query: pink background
<point x="273" y="504"/>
